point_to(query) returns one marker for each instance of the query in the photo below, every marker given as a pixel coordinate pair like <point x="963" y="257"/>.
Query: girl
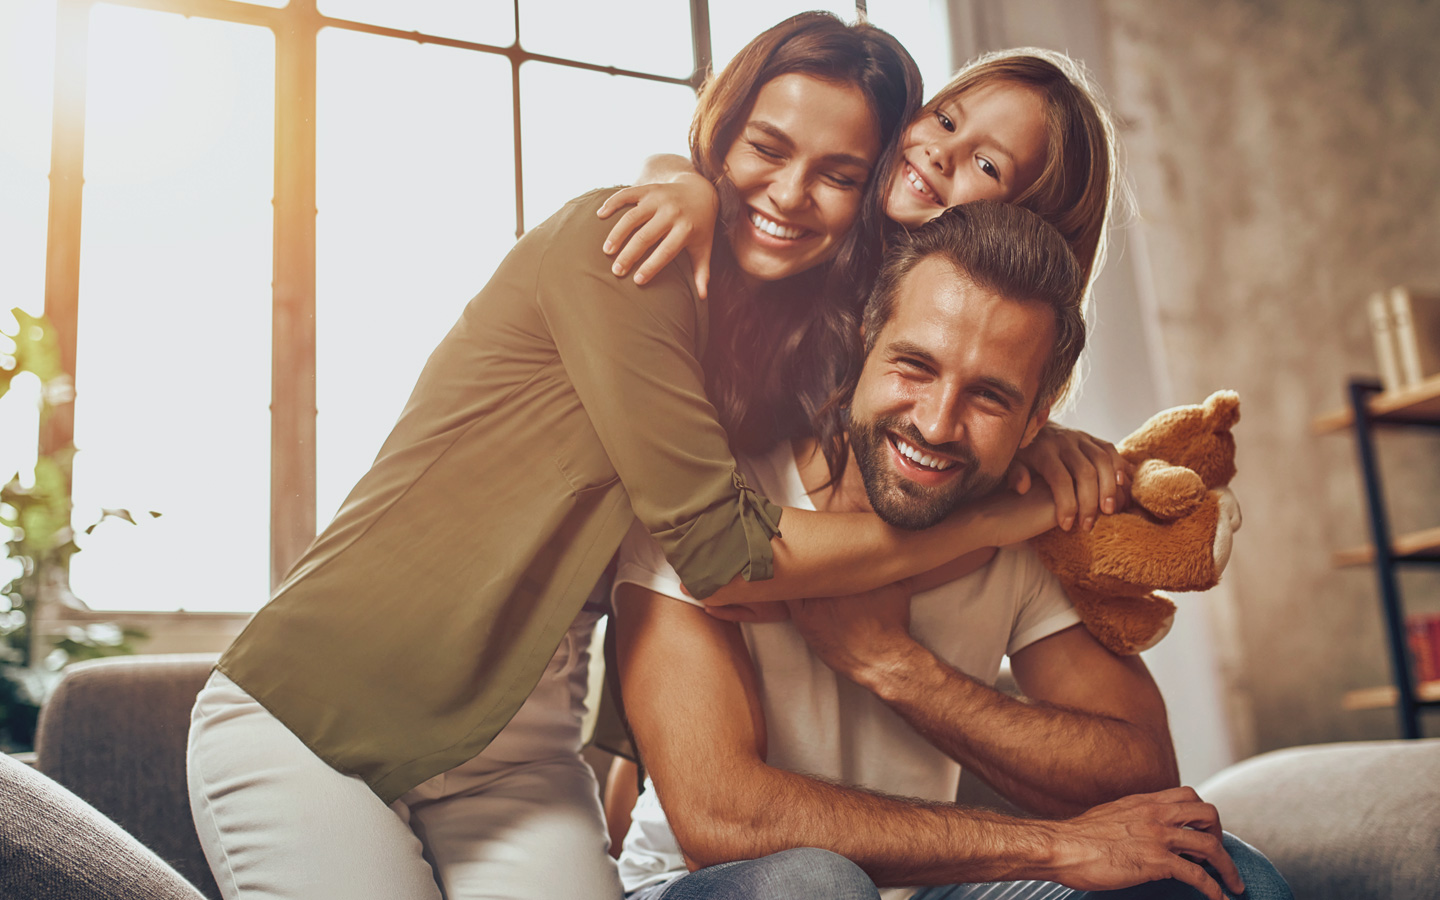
<point x="350" y="741"/>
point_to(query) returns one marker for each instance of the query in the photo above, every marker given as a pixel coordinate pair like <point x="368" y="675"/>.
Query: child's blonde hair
<point x="1076" y="191"/>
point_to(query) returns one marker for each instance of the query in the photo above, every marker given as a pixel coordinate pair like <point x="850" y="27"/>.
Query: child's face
<point x="987" y="144"/>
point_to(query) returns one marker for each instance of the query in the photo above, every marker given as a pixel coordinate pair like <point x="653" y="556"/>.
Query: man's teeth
<point x="774" y="228"/>
<point x="919" y="183"/>
<point x="923" y="459"/>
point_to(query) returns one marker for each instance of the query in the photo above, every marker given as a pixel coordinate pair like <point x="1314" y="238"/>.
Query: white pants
<point x="521" y="820"/>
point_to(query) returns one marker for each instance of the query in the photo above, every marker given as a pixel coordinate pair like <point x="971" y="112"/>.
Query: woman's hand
<point x="1087" y="476"/>
<point x="669" y="217"/>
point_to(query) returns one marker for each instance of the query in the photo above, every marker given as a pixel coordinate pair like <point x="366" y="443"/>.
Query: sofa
<point x="113" y="734"/>
<point x="1358" y="821"/>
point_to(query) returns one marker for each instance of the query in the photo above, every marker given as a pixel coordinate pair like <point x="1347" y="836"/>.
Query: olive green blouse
<point x="562" y="404"/>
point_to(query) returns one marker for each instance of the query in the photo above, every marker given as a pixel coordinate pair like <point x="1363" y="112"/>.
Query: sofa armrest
<point x="1348" y="821"/>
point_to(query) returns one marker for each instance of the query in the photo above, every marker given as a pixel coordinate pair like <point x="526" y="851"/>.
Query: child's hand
<point x="668" y="217"/>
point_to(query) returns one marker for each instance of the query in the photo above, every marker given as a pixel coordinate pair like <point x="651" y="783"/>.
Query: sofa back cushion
<point x="114" y="732"/>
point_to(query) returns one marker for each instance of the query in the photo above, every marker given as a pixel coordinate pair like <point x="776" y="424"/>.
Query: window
<point x="285" y="205"/>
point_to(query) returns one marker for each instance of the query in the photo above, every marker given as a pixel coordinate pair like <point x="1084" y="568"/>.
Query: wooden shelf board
<point x="1386" y="695"/>
<point x="1421" y="401"/>
<point x="1416" y="543"/>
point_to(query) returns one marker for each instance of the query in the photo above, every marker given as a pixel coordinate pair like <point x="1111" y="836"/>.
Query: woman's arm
<point x="672" y="208"/>
<point x="833" y="554"/>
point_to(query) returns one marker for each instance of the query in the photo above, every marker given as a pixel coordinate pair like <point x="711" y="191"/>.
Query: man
<point x="845" y="729"/>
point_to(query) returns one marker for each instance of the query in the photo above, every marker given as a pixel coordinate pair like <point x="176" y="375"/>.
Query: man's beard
<point x="900" y="501"/>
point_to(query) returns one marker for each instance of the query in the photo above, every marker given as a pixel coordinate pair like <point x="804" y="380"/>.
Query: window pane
<point x="173" y="374"/>
<point x="582" y="130"/>
<point x="649" y="36"/>
<point x="481" y="21"/>
<point x="27" y="77"/>
<point x="416" y="194"/>
<point x="923" y="27"/>
<point x="734" y="22"/>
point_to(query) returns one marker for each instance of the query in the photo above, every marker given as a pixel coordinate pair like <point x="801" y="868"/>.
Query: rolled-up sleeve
<point x="633" y="356"/>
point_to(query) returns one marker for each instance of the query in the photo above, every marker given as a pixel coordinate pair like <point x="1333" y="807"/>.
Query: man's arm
<point x="691" y="698"/>
<point x="1094" y="727"/>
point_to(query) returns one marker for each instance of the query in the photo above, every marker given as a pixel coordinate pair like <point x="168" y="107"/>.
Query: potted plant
<point x="35" y="515"/>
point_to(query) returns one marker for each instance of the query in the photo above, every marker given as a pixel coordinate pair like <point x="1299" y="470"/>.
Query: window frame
<point x="295" y="28"/>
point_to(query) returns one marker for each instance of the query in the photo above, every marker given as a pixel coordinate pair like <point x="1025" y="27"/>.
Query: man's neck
<point x="846" y="496"/>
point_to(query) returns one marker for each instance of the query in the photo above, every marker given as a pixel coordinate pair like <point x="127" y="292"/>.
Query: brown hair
<point x="1077" y="188"/>
<point x="777" y="353"/>
<point x="998" y="247"/>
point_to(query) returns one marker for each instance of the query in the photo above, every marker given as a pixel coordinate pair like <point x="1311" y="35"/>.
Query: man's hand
<point x="1143" y="838"/>
<point x="853" y="634"/>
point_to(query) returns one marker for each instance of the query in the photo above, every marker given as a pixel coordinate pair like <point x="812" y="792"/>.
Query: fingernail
<point x="607" y="248"/>
<point x="1119" y="477"/>
<point x="1066" y="523"/>
<point x="640" y="279"/>
<point x="1108" y="505"/>
<point x="617" y="270"/>
<point x="1089" y="523"/>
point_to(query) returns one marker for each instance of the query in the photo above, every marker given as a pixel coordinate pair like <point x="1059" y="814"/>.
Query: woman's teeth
<point x="924" y="459"/>
<point x="919" y="184"/>
<point x="775" y="229"/>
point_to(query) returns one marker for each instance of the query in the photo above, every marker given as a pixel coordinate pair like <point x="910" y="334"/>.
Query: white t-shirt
<point x="822" y="724"/>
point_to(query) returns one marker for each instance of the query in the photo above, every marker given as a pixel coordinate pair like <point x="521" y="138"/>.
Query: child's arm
<point x="673" y="208"/>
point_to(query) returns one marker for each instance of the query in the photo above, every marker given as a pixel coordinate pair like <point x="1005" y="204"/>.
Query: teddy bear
<point x="1175" y="534"/>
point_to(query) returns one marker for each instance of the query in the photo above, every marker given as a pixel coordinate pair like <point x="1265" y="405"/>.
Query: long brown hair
<point x="777" y="353"/>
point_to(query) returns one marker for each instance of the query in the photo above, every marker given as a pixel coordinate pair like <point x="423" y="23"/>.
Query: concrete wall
<point x="1286" y="162"/>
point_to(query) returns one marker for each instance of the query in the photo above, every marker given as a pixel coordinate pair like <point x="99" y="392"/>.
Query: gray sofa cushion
<point x="114" y="732"/>
<point x="1341" y="821"/>
<point x="55" y="845"/>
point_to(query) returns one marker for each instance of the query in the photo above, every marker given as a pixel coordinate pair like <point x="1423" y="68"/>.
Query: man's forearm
<point x="1046" y="758"/>
<point x="896" y="841"/>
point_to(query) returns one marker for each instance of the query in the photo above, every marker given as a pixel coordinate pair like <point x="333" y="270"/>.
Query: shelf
<point x="1424" y="545"/>
<point x="1387" y="695"/>
<point x="1419" y="403"/>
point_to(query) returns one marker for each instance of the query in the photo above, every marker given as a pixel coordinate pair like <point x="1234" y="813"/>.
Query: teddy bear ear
<point x="1222" y="409"/>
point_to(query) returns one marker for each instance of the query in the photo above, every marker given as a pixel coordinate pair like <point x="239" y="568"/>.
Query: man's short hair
<point x="1001" y="248"/>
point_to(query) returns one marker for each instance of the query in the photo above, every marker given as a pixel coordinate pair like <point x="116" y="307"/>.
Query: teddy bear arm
<point x="1166" y="491"/>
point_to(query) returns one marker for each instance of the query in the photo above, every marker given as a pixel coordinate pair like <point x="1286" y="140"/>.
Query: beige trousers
<point x="521" y="820"/>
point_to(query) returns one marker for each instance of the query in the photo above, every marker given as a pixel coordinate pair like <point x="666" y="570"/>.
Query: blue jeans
<point x="810" y="874"/>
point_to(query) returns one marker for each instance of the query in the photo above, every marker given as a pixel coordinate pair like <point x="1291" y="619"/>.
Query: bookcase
<point x="1370" y="409"/>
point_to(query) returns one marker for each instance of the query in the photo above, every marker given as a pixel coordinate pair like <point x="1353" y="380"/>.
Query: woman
<point x="1025" y="126"/>
<point x="347" y="743"/>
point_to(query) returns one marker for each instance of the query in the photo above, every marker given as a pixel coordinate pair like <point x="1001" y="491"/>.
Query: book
<point x="1415" y="327"/>
<point x="1422" y="633"/>
<point x="1382" y="331"/>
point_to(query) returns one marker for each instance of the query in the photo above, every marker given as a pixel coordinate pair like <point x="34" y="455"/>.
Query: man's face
<point x="946" y="395"/>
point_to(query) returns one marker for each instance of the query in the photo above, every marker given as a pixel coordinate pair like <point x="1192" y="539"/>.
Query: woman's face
<point x="988" y="144"/>
<point x="799" y="166"/>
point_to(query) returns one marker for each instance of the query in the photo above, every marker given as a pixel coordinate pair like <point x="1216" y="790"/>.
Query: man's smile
<point x="921" y="468"/>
